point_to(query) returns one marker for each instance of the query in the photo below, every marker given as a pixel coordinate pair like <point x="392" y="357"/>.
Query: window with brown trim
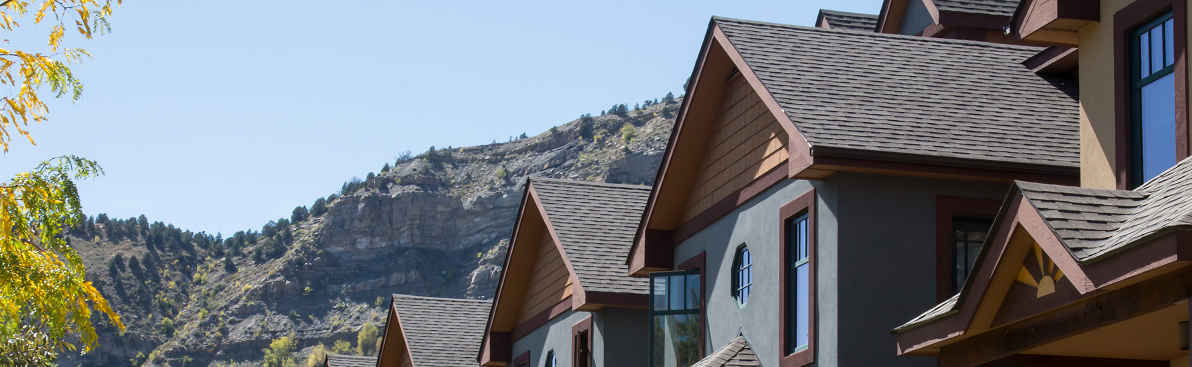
<point x="961" y="227"/>
<point x="797" y="283"/>
<point x="1151" y="132"/>
<point x="581" y="343"/>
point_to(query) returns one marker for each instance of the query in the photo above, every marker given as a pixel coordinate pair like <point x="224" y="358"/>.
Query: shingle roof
<point x="738" y="353"/>
<point x="849" y="21"/>
<point x="442" y="332"/>
<point x="912" y="95"/>
<point x="1094" y="223"/>
<point x="596" y="223"/>
<point x="341" y="360"/>
<point x="991" y="7"/>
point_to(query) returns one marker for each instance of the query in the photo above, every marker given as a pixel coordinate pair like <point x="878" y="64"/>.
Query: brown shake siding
<point x="746" y="142"/>
<point x="549" y="283"/>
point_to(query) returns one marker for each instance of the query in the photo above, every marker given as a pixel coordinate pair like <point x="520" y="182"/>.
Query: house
<point x="1096" y="274"/>
<point x="343" y="360"/>
<point x="563" y="297"/>
<point x="823" y="186"/>
<point x="432" y="332"/>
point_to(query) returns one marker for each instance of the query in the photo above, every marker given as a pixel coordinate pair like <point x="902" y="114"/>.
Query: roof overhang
<point x="1018" y="225"/>
<point x="394" y="345"/>
<point x="1054" y="22"/>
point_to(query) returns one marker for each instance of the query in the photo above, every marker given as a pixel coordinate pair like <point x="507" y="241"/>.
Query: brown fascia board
<point x="1054" y="60"/>
<point x="396" y="319"/>
<point x="1054" y="22"/>
<point x="827" y="158"/>
<point x="486" y="340"/>
<point x="973" y="20"/>
<point x="1147" y="258"/>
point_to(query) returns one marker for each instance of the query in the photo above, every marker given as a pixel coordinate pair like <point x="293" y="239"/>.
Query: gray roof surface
<point x="596" y="223"/>
<point x="737" y="353"/>
<point x="442" y="332"/>
<point x="991" y="7"/>
<point x="849" y="21"/>
<point x="1096" y="223"/>
<point x="342" y="360"/>
<point x="912" y="95"/>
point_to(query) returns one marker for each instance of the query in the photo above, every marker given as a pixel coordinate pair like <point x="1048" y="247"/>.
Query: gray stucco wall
<point x="756" y="224"/>
<point x="887" y="264"/>
<point x="620" y="338"/>
<point x="916" y="18"/>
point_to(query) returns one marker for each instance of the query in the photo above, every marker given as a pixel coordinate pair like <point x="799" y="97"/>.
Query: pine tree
<point x="385" y="168"/>
<point x="670" y="97"/>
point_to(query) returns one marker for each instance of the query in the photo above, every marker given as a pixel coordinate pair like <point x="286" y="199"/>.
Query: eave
<point x="1054" y="22"/>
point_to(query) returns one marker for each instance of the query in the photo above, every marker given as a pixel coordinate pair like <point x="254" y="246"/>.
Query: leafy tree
<point x="366" y="339"/>
<point x="502" y="174"/>
<point x="319" y="207"/>
<point x="299" y="214"/>
<point x="43" y="289"/>
<point x="317" y="355"/>
<point x="167" y="326"/>
<point x="280" y="352"/>
<point x="341" y="347"/>
<point x="28" y="347"/>
<point x="628" y="132"/>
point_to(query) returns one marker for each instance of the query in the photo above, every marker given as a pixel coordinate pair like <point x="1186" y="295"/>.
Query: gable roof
<point x="442" y="332"/>
<point x="737" y="353"/>
<point x="596" y="223"/>
<point x="1093" y="224"/>
<point x="342" y="360"/>
<point x="991" y="7"/>
<point x="847" y="21"/>
<point x="912" y="95"/>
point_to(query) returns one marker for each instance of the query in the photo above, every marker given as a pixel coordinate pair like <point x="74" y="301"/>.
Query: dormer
<point x="974" y="20"/>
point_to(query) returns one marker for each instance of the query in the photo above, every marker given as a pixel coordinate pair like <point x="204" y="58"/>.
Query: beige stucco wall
<point x="1097" y="99"/>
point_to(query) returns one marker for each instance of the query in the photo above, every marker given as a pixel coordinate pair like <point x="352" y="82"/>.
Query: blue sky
<point x="220" y="118"/>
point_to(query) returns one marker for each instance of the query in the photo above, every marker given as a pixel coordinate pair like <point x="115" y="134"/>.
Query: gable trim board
<point x="1102" y="281"/>
<point x="1124" y="21"/>
<point x="719" y="56"/>
<point x="534" y="223"/>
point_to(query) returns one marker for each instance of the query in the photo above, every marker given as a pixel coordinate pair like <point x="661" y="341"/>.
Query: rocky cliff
<point x="435" y="224"/>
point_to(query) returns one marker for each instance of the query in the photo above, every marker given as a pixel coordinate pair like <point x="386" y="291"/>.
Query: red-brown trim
<point x="730" y="203"/>
<point x="890" y="16"/>
<point x="947" y="207"/>
<point x="584" y="325"/>
<point x="700" y="261"/>
<point x="803" y="204"/>
<point x="522" y="360"/>
<point x="827" y="159"/>
<point x="493" y="351"/>
<point x="393" y="315"/>
<point x="1054" y="59"/>
<point x="540" y="319"/>
<point x="1030" y="360"/>
<point x="972" y="20"/>
<point x="630" y="300"/>
<point x="1124" y="21"/>
<point x="1059" y="18"/>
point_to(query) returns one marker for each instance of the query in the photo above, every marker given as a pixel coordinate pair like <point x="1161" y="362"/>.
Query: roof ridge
<point x="399" y="295"/>
<point x="588" y="183"/>
<point x="982" y="44"/>
<point x="847" y="12"/>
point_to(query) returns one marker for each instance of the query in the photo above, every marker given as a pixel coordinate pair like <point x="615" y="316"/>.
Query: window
<point x="550" y="360"/>
<point x="675" y="318"/>
<point x="968" y="234"/>
<point x="797" y="282"/>
<point x="742" y="276"/>
<point x="581" y="343"/>
<point x="1152" y="89"/>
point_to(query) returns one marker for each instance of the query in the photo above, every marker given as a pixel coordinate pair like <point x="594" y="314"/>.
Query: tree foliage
<point x="366" y="339"/>
<point x="42" y="279"/>
<point x="26" y="72"/>
<point x="281" y="352"/>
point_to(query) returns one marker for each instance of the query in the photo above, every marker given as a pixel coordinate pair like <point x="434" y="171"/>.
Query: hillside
<point x="434" y="224"/>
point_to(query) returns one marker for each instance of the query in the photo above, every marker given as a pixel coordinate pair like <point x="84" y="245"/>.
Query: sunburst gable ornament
<point x="1042" y="278"/>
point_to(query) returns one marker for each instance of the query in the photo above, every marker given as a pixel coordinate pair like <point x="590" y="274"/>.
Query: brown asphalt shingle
<point x="841" y="20"/>
<point x="442" y="332"/>
<point x="341" y="360"/>
<point x="596" y="223"/>
<point x="737" y="353"/>
<point x="912" y="95"/>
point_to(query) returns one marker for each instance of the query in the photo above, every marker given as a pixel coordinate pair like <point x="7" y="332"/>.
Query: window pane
<point x="1157" y="49"/>
<point x="676" y="298"/>
<point x="660" y="299"/>
<point x="1144" y="53"/>
<point x="676" y="340"/>
<point x="961" y="266"/>
<point x="693" y="292"/>
<point x="802" y="306"/>
<point x="1158" y="126"/>
<point x="1169" y="40"/>
<point x="802" y="239"/>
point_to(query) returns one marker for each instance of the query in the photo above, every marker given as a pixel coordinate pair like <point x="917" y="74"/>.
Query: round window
<point x="742" y="275"/>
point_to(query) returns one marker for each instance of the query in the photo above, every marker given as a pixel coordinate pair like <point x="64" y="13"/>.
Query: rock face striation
<point x="435" y="224"/>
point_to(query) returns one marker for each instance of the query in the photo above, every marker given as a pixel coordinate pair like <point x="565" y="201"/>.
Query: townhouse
<point x="431" y="332"/>
<point x="563" y="298"/>
<point x="1094" y="275"/>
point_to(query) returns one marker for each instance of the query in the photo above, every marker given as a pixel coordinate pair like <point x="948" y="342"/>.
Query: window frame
<point x="1125" y="22"/>
<point x="947" y="208"/>
<point x="803" y="205"/>
<point x="695" y="264"/>
<point x="738" y="257"/>
<point x="583" y="327"/>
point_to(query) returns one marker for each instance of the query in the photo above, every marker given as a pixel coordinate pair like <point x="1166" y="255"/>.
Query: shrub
<point x="380" y="300"/>
<point x="366" y="339"/>
<point x="502" y="174"/>
<point x="317" y="355"/>
<point x="319" y="207"/>
<point x="167" y="326"/>
<point x="280" y="352"/>
<point x="628" y="132"/>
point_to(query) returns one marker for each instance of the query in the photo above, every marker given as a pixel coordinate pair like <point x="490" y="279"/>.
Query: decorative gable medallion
<point x="1040" y="272"/>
